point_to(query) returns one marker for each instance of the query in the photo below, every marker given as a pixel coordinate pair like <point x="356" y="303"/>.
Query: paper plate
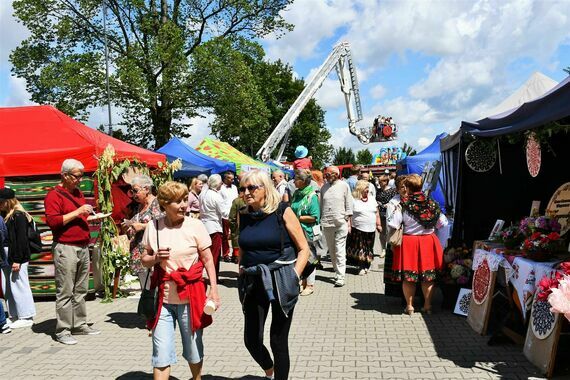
<point x="98" y="216"/>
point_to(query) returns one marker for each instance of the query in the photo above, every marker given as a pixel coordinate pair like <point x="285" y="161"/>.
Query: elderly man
<point x="66" y="215"/>
<point x="278" y="178"/>
<point x="336" y="210"/>
<point x="211" y="213"/>
<point x="229" y="192"/>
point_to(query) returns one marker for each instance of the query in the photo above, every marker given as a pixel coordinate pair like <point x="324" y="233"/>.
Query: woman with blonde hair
<point x="365" y="223"/>
<point x="273" y="253"/>
<point x="17" y="292"/>
<point x="194" y="198"/>
<point x="178" y="247"/>
<point x="420" y="257"/>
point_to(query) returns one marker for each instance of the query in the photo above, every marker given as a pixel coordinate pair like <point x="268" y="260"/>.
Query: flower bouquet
<point x="556" y="291"/>
<point x="457" y="273"/>
<point x="542" y="237"/>
<point x="511" y="237"/>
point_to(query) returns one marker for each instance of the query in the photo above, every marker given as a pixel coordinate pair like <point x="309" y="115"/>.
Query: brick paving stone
<point x="354" y="332"/>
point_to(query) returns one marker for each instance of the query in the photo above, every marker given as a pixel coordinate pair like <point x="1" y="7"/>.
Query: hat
<point x="386" y="171"/>
<point x="301" y="151"/>
<point x="7" y="193"/>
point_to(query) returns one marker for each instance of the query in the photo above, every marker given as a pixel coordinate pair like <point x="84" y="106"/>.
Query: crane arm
<point x="341" y="60"/>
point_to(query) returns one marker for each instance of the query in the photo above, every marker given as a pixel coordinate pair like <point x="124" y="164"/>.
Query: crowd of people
<point x="276" y="231"/>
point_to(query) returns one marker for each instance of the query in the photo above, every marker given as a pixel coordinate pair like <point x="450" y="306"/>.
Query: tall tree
<point x="344" y="156"/>
<point x="250" y="96"/>
<point x="152" y="45"/>
<point x="364" y="157"/>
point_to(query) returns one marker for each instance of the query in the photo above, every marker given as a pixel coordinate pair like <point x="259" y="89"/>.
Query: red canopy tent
<point x="35" y="141"/>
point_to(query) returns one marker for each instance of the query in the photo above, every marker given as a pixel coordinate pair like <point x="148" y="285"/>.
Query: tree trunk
<point x="161" y="122"/>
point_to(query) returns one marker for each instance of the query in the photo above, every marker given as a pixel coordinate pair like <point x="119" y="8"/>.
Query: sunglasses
<point x="132" y="192"/>
<point x="251" y="188"/>
<point x="76" y="176"/>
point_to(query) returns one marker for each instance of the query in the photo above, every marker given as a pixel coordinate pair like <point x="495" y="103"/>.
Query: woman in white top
<point x="365" y="223"/>
<point x="420" y="257"/>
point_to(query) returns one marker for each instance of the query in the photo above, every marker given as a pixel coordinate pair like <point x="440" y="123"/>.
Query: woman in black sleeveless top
<point x="273" y="252"/>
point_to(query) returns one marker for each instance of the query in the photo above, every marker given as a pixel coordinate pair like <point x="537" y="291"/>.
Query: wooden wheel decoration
<point x="542" y="320"/>
<point x="480" y="156"/>
<point x="481" y="282"/>
<point x="560" y="207"/>
<point x="533" y="155"/>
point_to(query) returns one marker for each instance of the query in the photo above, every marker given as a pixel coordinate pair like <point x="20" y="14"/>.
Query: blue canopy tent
<point x="415" y="165"/>
<point x="187" y="169"/>
<point x="176" y="148"/>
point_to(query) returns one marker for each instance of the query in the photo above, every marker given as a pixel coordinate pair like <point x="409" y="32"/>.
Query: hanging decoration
<point x="481" y="282"/>
<point x="480" y="155"/>
<point x="559" y="208"/>
<point x="115" y="258"/>
<point x="533" y="154"/>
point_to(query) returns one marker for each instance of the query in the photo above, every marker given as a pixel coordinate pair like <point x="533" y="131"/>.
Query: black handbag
<point x="148" y="303"/>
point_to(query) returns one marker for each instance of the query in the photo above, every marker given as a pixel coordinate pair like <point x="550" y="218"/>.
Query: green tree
<point x="409" y="150"/>
<point x="364" y="157"/>
<point x="152" y="44"/>
<point x="567" y="70"/>
<point x="250" y="96"/>
<point x="344" y="156"/>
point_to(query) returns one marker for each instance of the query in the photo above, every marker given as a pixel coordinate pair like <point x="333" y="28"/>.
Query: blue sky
<point x="428" y="64"/>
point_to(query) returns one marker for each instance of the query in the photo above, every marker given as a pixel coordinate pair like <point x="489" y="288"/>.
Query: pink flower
<point x="559" y="298"/>
<point x="565" y="267"/>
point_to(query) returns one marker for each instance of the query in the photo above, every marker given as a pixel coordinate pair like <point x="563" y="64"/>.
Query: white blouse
<point x="395" y="217"/>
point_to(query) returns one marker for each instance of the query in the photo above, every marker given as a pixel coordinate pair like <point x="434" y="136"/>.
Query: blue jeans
<point x="163" y="346"/>
<point x="2" y="315"/>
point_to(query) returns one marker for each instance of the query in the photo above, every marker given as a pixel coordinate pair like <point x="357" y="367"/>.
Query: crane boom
<point x="341" y="60"/>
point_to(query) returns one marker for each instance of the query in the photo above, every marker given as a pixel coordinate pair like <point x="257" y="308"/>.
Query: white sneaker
<point x="362" y="272"/>
<point x="339" y="282"/>
<point x="21" y="323"/>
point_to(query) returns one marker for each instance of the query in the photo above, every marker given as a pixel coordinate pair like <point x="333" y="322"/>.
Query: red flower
<point x="554" y="236"/>
<point x="565" y="267"/>
<point x="543" y="296"/>
<point x="535" y="235"/>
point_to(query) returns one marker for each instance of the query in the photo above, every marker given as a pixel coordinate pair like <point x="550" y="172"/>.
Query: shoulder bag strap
<point x="157" y="246"/>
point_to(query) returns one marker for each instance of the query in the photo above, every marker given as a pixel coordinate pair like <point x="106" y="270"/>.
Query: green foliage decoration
<point x="113" y="258"/>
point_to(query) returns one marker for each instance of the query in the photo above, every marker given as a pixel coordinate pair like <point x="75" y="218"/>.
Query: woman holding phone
<point x="178" y="247"/>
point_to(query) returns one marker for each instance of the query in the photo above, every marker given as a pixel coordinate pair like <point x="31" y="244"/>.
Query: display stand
<point x="540" y="348"/>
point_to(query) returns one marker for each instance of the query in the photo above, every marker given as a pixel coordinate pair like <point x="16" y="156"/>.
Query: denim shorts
<point x="163" y="339"/>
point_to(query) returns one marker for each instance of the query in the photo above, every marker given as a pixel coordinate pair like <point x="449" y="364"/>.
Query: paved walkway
<point x="352" y="332"/>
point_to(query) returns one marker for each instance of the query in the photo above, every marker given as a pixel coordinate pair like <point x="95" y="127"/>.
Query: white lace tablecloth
<point x="524" y="274"/>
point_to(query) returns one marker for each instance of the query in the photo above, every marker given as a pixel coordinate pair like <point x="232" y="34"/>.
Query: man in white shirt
<point x="229" y="192"/>
<point x="211" y="215"/>
<point x="336" y="209"/>
<point x="278" y="178"/>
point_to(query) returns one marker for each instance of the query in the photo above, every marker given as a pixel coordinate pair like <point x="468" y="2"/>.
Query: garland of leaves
<point x="113" y="257"/>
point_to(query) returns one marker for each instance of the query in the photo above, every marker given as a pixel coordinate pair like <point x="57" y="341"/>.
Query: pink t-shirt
<point x="184" y="241"/>
<point x="303" y="163"/>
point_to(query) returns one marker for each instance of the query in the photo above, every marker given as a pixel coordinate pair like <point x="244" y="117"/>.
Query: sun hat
<point x="6" y="194"/>
<point x="301" y="152"/>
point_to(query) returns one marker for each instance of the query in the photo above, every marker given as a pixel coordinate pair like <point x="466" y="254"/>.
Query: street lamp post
<point x="107" y="66"/>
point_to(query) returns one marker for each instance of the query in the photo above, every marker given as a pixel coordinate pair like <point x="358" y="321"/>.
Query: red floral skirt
<point x="419" y="258"/>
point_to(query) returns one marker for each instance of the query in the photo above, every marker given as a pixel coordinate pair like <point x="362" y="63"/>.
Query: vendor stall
<point x="224" y="151"/>
<point x="35" y="141"/>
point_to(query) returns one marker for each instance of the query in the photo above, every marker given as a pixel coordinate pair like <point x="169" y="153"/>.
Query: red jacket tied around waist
<point x="190" y="286"/>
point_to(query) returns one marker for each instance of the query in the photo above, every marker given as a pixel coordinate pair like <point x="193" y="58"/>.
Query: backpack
<point x="34" y="238"/>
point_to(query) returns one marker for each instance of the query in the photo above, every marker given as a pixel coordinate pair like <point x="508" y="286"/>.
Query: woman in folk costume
<point x="420" y="257"/>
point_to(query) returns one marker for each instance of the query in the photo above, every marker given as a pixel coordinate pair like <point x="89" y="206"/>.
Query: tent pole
<point x="107" y="67"/>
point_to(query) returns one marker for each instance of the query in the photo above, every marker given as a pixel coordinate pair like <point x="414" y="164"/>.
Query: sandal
<point x="426" y="310"/>
<point x="409" y="310"/>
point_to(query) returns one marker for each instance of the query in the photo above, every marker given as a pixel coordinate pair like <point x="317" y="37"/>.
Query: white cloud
<point x="424" y="141"/>
<point x="314" y="21"/>
<point x="200" y="128"/>
<point x="17" y="94"/>
<point x="13" y="32"/>
<point x="378" y="91"/>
